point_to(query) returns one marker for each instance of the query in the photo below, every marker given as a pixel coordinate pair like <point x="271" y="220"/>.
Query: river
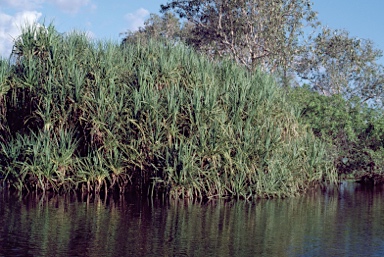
<point x="348" y="221"/>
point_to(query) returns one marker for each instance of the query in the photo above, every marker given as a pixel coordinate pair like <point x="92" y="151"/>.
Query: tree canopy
<point x="276" y="37"/>
<point x="167" y="27"/>
<point x="336" y="63"/>
<point x="257" y="34"/>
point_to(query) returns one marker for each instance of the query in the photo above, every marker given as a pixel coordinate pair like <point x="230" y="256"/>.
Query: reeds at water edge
<point x="78" y="114"/>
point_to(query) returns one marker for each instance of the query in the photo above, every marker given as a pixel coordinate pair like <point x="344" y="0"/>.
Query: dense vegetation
<point x="94" y="116"/>
<point x="355" y="132"/>
<point x="335" y="79"/>
<point x="208" y="105"/>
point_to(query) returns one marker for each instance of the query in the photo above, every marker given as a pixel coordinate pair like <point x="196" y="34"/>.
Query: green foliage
<point x="336" y="63"/>
<point x="269" y="35"/>
<point x="94" y="116"/>
<point x="354" y="131"/>
<point x="257" y="34"/>
<point x="166" y="27"/>
<point x="39" y="161"/>
<point x="4" y="89"/>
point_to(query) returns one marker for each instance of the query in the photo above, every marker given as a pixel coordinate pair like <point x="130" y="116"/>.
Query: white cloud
<point x="10" y="28"/>
<point x="136" y="19"/>
<point x="71" y="6"/>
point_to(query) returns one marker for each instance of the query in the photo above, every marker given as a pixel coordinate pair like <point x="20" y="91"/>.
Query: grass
<point x="94" y="116"/>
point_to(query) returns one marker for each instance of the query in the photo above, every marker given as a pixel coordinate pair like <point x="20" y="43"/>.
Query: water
<point x="344" y="222"/>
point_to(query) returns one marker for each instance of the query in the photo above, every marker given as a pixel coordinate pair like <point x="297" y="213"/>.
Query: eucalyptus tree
<point x="167" y="27"/>
<point x="336" y="63"/>
<point x="267" y="35"/>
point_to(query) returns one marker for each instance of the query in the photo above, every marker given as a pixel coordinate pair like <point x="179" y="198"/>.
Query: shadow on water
<point x="344" y="221"/>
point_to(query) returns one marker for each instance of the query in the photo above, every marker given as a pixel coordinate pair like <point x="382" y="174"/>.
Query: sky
<point x="106" y="20"/>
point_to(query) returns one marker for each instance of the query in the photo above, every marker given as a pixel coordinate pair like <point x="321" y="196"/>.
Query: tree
<point x="355" y="130"/>
<point x="336" y="63"/>
<point x="166" y="27"/>
<point x="256" y="33"/>
<point x="269" y="35"/>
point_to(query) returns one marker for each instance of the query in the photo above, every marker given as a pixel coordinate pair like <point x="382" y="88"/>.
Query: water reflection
<point x="338" y="222"/>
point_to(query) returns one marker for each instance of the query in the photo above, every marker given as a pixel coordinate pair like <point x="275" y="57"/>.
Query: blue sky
<point x="103" y="19"/>
<point x="362" y="18"/>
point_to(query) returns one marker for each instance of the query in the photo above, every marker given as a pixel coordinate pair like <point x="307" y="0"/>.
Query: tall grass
<point x="86" y="115"/>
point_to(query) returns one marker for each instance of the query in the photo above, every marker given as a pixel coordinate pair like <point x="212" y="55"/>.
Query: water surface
<point x="344" y="222"/>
